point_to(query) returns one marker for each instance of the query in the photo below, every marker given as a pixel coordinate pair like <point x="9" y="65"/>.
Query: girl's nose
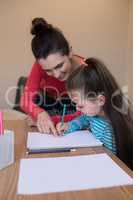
<point x="79" y="107"/>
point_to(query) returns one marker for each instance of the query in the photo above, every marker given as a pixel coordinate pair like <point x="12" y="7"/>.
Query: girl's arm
<point x="108" y="139"/>
<point x="81" y="122"/>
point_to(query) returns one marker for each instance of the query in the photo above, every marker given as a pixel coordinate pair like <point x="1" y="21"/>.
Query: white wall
<point x="94" y="28"/>
<point x="130" y="54"/>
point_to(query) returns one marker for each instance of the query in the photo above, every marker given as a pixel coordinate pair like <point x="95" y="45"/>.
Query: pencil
<point x="63" y="114"/>
<point x="39" y="151"/>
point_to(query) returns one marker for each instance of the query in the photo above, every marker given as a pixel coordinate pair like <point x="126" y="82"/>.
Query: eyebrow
<point x="59" y="65"/>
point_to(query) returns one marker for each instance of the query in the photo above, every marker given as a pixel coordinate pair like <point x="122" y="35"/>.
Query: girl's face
<point x="57" y="65"/>
<point x="90" y="107"/>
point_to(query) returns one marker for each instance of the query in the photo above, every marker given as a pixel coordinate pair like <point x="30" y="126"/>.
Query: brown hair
<point x="95" y="78"/>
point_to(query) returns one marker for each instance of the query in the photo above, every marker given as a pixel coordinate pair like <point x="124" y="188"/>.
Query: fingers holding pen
<point x="61" y="128"/>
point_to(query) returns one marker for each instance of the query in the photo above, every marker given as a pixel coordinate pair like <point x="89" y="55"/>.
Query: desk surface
<point x="9" y="175"/>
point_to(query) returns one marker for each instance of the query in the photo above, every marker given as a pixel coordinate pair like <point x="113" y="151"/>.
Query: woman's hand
<point x="30" y="121"/>
<point x="61" y="128"/>
<point x="45" y="124"/>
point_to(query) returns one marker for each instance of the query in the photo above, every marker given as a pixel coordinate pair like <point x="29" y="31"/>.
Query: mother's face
<point x="57" y="65"/>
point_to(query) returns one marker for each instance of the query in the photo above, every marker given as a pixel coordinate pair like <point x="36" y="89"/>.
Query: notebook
<point x="61" y="174"/>
<point x="76" y="139"/>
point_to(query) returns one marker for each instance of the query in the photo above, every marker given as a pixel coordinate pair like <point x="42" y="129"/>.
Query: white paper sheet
<point x="73" y="140"/>
<point x="47" y="175"/>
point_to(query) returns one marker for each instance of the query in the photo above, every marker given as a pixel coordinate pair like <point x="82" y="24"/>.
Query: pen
<point x="1" y="124"/>
<point x="62" y="118"/>
<point x="39" y="151"/>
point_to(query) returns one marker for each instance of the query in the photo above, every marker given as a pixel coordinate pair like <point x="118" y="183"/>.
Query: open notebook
<point x="76" y="139"/>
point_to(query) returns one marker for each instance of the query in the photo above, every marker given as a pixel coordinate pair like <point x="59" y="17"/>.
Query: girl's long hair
<point x="94" y="78"/>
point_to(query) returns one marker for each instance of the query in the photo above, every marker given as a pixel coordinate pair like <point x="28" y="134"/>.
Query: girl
<point x="105" y="110"/>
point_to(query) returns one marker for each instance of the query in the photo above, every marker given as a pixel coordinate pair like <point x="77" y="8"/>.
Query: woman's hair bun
<point x="39" y="26"/>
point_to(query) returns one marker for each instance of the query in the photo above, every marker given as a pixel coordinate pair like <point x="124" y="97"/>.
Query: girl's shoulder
<point x="100" y="120"/>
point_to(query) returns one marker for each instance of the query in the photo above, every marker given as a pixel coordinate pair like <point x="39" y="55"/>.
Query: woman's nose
<point x="56" y="74"/>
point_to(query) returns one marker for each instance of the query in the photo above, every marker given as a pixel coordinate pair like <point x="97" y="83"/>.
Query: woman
<point x="54" y="63"/>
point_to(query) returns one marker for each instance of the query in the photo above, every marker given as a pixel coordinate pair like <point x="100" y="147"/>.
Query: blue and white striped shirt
<point x="99" y="126"/>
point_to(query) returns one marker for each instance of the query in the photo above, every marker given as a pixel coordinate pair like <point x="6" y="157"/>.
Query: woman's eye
<point x="59" y="66"/>
<point x="49" y="73"/>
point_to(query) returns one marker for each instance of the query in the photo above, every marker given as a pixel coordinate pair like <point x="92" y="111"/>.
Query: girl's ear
<point x="101" y="100"/>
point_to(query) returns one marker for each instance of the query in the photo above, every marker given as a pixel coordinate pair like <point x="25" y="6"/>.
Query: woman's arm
<point x="31" y="89"/>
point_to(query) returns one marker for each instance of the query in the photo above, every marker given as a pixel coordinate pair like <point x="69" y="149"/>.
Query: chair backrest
<point x="20" y="86"/>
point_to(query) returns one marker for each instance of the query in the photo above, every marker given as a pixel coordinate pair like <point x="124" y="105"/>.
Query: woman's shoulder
<point x="80" y="59"/>
<point x="36" y="67"/>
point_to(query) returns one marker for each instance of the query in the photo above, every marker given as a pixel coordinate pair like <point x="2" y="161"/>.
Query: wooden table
<point x="9" y="175"/>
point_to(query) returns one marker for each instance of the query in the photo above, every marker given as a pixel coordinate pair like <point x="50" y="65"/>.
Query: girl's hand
<point x="45" y="124"/>
<point x="61" y="128"/>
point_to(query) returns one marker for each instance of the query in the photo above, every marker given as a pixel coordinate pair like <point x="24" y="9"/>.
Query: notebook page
<point x="73" y="140"/>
